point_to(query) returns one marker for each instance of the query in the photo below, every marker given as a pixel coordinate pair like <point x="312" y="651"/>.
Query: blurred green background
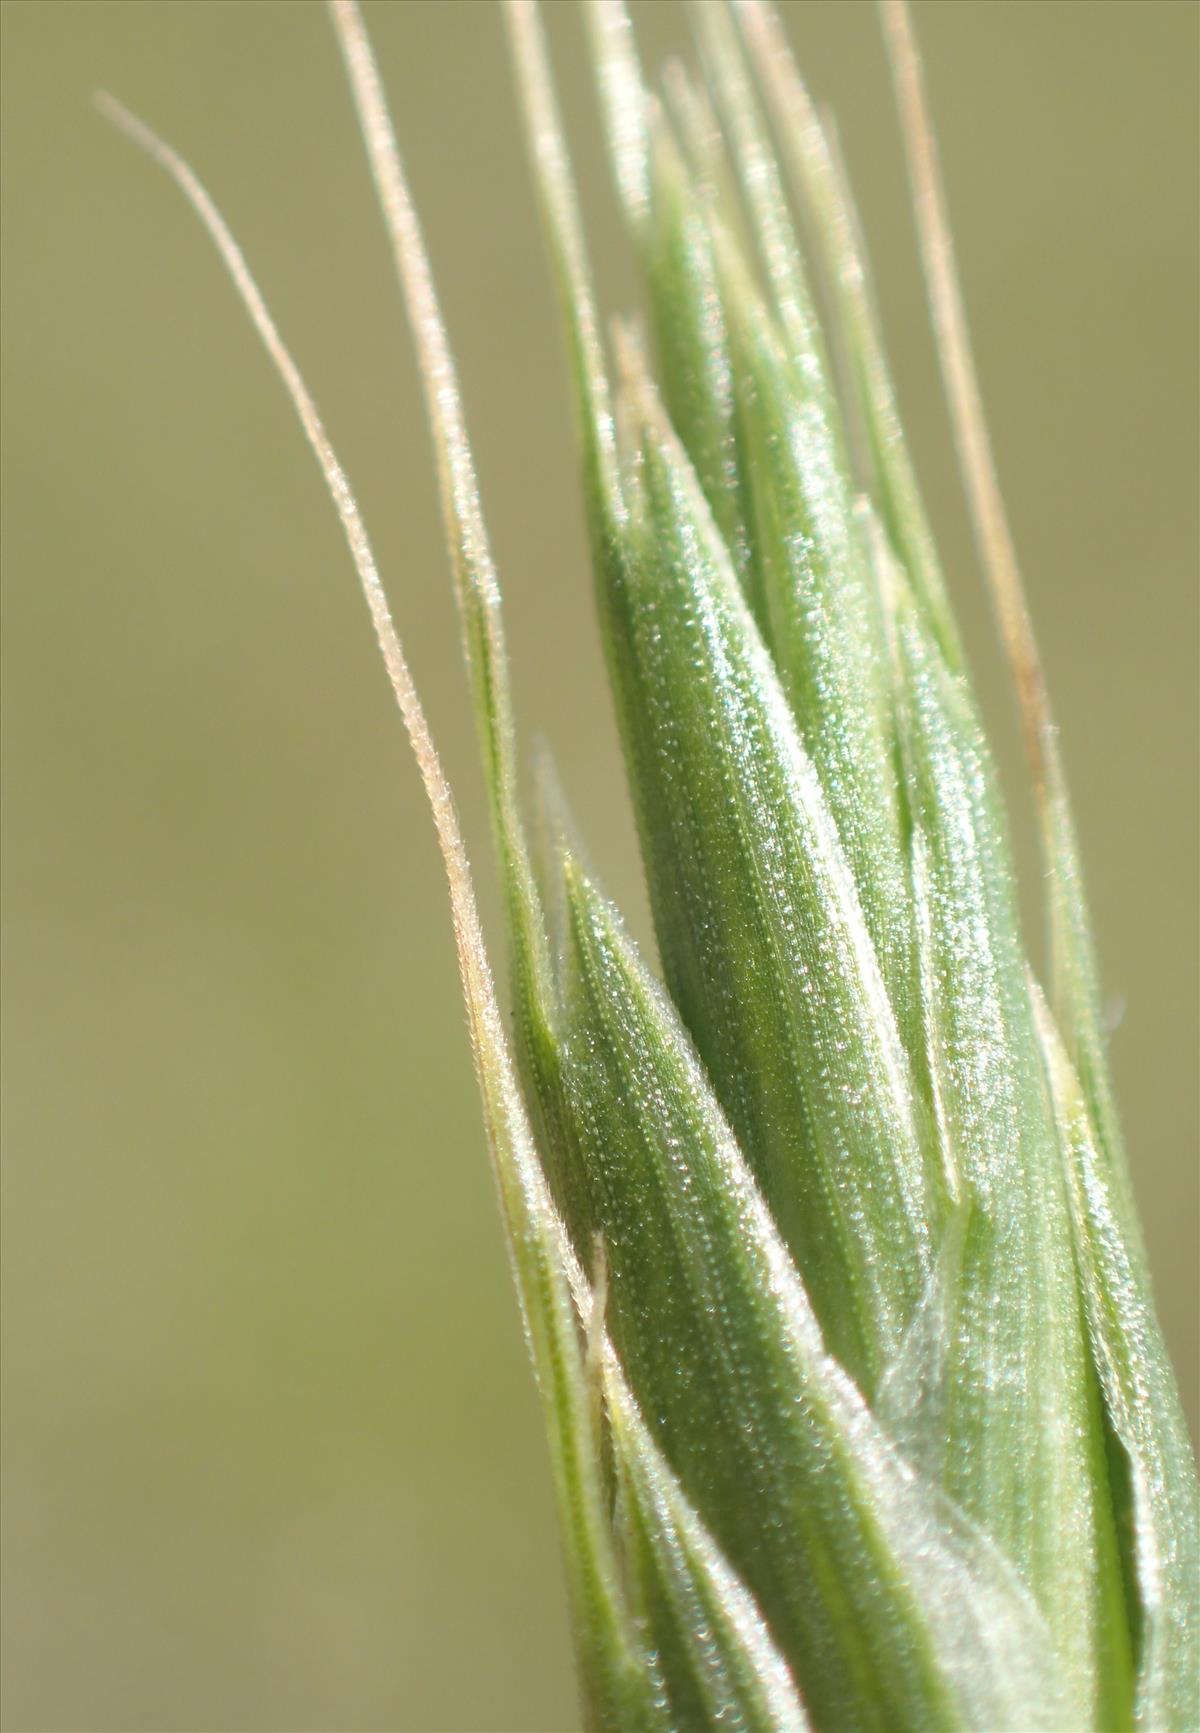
<point x="271" y="1454"/>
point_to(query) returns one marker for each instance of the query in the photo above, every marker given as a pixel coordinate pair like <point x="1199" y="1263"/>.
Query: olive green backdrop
<point x="271" y="1455"/>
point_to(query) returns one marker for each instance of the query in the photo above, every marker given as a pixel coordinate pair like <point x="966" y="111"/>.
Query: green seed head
<point x="859" y="1415"/>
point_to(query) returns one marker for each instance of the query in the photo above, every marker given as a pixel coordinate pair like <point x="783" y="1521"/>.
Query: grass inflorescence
<point x="821" y="1225"/>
